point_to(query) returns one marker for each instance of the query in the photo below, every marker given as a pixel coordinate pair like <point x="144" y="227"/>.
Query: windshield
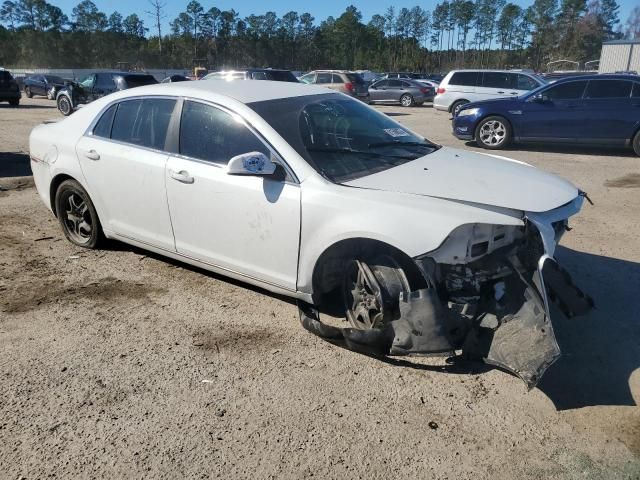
<point x="340" y="137"/>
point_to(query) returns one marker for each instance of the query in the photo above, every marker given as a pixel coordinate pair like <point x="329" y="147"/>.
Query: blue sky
<point x="319" y="9"/>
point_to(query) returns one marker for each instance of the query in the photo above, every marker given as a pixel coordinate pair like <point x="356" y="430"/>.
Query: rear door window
<point x="526" y="83"/>
<point x="143" y="122"/>
<point x="213" y="135"/>
<point x="468" y="79"/>
<point x="394" y="84"/>
<point x="337" y="78"/>
<point x="104" y="80"/>
<point x="608" y="89"/>
<point x="497" y="80"/>
<point x="323" y="78"/>
<point x="566" y="91"/>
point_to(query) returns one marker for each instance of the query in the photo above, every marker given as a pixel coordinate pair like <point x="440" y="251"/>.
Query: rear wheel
<point x="77" y="215"/>
<point x="636" y="143"/>
<point x="64" y="105"/>
<point x="28" y="92"/>
<point x="493" y="133"/>
<point x="406" y="100"/>
<point x="371" y="291"/>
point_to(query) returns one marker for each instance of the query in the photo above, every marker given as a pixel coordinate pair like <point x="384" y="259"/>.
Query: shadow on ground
<point x="28" y="107"/>
<point x="602" y="350"/>
<point x="14" y="164"/>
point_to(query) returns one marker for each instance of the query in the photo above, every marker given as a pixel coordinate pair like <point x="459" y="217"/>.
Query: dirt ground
<point x="121" y="364"/>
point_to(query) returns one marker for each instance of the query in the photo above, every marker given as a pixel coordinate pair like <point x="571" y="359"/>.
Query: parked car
<point x="463" y="86"/>
<point x="9" y="90"/>
<point x="45" y="85"/>
<point x="418" y="77"/>
<point x="588" y="110"/>
<point x="343" y="81"/>
<point x="254" y="74"/>
<point x="97" y="85"/>
<point x="176" y="78"/>
<point x="319" y="193"/>
<point x="405" y="92"/>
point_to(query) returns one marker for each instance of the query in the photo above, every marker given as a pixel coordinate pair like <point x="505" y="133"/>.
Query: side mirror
<point x="252" y="163"/>
<point x="541" y="98"/>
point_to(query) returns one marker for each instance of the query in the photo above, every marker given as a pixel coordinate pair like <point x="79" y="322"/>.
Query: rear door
<point x="463" y="85"/>
<point x="104" y="85"/>
<point x="394" y="91"/>
<point x="123" y="161"/>
<point x="609" y="113"/>
<point x="496" y="85"/>
<point x="559" y="116"/>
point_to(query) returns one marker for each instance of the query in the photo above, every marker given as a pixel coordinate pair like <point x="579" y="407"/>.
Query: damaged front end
<point x="487" y="294"/>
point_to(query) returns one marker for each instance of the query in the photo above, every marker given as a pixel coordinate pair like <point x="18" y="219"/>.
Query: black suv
<point x="9" y="90"/>
<point x="96" y="85"/>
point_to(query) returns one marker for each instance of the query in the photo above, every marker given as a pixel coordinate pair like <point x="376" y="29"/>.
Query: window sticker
<point x="396" y="132"/>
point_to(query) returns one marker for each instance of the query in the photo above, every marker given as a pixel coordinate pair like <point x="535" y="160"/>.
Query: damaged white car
<point x="310" y="193"/>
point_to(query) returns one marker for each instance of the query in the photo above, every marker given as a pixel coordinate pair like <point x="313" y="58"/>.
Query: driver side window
<point x="88" y="81"/>
<point x="566" y="91"/>
<point x="210" y="134"/>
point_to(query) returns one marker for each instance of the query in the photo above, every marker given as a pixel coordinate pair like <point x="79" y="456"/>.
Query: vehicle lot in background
<point x="589" y="110"/>
<point x="45" y="85"/>
<point x="343" y="81"/>
<point x="274" y="75"/>
<point x="97" y="85"/>
<point x="463" y="86"/>
<point x="107" y="366"/>
<point x="405" y="92"/>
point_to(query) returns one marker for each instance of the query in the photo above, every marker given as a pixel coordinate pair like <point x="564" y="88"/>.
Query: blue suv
<point x="587" y="110"/>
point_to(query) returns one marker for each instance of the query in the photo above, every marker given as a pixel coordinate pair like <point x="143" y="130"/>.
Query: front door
<point x="556" y="114"/>
<point x="123" y="163"/>
<point x="245" y="224"/>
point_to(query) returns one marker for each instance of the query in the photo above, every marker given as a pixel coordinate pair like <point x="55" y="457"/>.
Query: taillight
<point x="441" y="90"/>
<point x="349" y="86"/>
<point x="424" y="90"/>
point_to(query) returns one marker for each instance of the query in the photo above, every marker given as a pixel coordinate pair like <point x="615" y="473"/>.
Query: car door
<point x="241" y="223"/>
<point x="324" y="79"/>
<point x="555" y="113"/>
<point x="393" y="91"/>
<point x="377" y="90"/>
<point x="104" y="85"/>
<point x="40" y="85"/>
<point x="123" y="161"/>
<point x="496" y="85"/>
<point x="609" y="114"/>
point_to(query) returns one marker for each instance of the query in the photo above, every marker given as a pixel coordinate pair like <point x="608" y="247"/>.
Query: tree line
<point x="457" y="33"/>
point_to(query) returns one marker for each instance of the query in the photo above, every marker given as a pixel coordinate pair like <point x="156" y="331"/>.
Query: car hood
<point x="475" y="178"/>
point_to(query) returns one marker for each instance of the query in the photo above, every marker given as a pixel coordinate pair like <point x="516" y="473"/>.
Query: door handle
<point x="181" y="176"/>
<point x="500" y="91"/>
<point x="92" y="155"/>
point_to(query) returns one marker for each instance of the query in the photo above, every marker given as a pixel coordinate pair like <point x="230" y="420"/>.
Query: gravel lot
<point x="120" y="364"/>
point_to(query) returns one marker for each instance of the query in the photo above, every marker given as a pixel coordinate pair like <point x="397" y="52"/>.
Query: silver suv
<point x="463" y="86"/>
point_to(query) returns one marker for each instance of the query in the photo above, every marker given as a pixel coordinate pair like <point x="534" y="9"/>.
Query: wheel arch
<point x="457" y="101"/>
<point x="53" y="188"/>
<point x="328" y="268"/>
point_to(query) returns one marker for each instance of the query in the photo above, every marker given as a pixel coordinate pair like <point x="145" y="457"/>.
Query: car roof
<point x="599" y="76"/>
<point x="244" y="92"/>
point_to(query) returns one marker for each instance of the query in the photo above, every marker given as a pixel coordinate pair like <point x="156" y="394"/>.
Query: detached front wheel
<point x="371" y="291"/>
<point x="493" y="133"/>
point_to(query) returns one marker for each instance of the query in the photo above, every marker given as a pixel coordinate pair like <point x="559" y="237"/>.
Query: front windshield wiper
<point x="397" y="143"/>
<point x="360" y="152"/>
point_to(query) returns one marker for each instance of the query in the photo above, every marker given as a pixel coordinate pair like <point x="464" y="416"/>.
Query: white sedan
<point x="309" y="193"/>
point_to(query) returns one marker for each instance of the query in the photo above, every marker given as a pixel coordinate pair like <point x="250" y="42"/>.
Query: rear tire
<point x="493" y="133"/>
<point x="77" y="215"/>
<point x="457" y="105"/>
<point x="636" y="143"/>
<point x="407" y="100"/>
<point x="64" y="105"/>
<point x="28" y="92"/>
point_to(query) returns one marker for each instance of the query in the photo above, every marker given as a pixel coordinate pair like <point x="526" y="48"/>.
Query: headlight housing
<point x="467" y="112"/>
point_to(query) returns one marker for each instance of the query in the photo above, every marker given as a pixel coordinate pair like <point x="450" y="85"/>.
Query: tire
<point x="371" y="290"/>
<point x="493" y="133"/>
<point x="14" y="103"/>
<point x="77" y="215"/>
<point x="28" y="92"/>
<point x="456" y="106"/>
<point x="64" y="105"/>
<point x="407" y="100"/>
<point x="636" y="143"/>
